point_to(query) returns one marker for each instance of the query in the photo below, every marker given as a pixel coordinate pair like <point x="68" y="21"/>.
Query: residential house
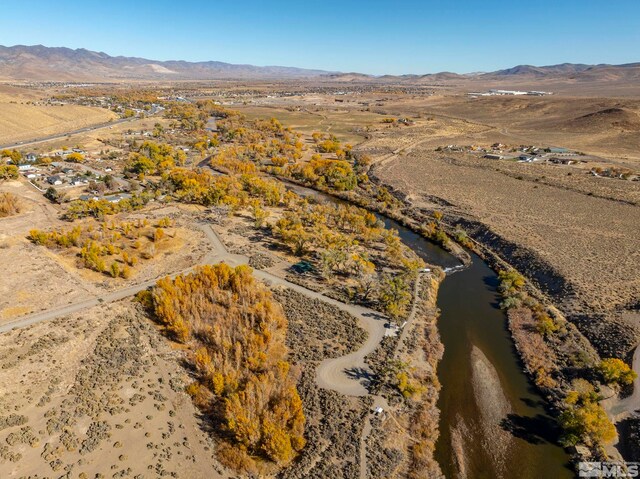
<point x="54" y="180"/>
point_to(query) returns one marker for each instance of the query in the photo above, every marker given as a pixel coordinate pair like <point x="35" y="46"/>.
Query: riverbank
<point x="552" y="364"/>
<point x="462" y="288"/>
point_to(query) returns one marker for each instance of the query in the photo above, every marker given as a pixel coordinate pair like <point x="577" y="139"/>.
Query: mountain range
<point x="41" y="63"/>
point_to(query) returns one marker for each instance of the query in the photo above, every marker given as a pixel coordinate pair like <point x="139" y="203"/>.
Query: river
<point x="493" y="422"/>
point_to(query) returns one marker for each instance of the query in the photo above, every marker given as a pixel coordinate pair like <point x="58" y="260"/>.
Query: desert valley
<point x="220" y="271"/>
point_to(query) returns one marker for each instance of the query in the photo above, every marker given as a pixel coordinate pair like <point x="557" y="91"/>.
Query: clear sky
<point x="368" y="36"/>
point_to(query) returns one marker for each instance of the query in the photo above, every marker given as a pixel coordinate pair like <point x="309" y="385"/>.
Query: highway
<point x="57" y="136"/>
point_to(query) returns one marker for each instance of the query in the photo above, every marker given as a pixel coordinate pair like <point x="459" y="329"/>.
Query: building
<point x="117" y="198"/>
<point x="493" y="156"/>
<point x="54" y="180"/>
<point x="558" y="150"/>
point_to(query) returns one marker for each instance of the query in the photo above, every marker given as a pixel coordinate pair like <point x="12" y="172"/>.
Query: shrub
<point x="616" y="371"/>
<point x="9" y="204"/>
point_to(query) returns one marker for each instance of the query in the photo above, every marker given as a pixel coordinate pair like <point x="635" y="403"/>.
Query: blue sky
<point x="371" y="36"/>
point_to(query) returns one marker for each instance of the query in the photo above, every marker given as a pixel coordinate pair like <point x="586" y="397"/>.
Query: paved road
<point x="57" y="136"/>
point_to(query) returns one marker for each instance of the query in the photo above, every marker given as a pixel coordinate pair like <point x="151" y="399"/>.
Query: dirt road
<point x="347" y="374"/>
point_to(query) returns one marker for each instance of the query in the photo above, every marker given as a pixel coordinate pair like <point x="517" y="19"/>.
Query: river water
<point x="493" y="422"/>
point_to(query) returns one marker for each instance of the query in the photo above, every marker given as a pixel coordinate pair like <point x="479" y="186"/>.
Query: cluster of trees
<point x="8" y="172"/>
<point x="236" y="191"/>
<point x="339" y="238"/>
<point x="511" y="288"/>
<point x="194" y="116"/>
<point x="335" y="174"/>
<point x="14" y="155"/>
<point x="583" y="419"/>
<point x="113" y="248"/>
<point x="264" y="142"/>
<point x="187" y="114"/>
<point x="616" y="371"/>
<point x="75" y="157"/>
<point x="98" y="209"/>
<point x="9" y="205"/>
<point x="154" y="158"/>
<point x="435" y="232"/>
<point x="331" y="144"/>
<point x="236" y="332"/>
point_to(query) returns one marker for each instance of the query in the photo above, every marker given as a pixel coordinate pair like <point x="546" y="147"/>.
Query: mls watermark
<point x="609" y="469"/>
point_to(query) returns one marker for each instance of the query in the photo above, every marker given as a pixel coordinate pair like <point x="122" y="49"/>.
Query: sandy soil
<point x="101" y="394"/>
<point x="27" y="270"/>
<point x="591" y="242"/>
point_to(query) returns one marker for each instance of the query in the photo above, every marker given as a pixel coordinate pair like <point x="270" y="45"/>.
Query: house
<point x="558" y="150"/>
<point x="24" y="167"/>
<point x="68" y="171"/>
<point x="79" y="180"/>
<point x="526" y="158"/>
<point x="31" y="157"/>
<point x="493" y="156"/>
<point x="54" y="180"/>
<point x="116" y="198"/>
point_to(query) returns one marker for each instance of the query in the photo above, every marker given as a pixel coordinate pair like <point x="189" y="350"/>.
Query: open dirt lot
<point x="100" y="393"/>
<point x="602" y="126"/>
<point x="28" y="271"/>
<point x="26" y="284"/>
<point x="343" y="123"/>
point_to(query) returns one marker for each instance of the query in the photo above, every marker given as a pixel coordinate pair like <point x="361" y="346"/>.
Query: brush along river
<point x="493" y="422"/>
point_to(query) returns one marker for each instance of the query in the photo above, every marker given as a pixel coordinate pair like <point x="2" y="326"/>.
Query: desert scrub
<point x="9" y="205"/>
<point x="108" y="247"/>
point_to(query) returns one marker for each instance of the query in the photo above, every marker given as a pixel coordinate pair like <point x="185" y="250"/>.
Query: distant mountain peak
<point x="41" y="63"/>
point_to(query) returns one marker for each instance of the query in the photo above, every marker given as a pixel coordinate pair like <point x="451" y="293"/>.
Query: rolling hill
<point x="40" y="63"/>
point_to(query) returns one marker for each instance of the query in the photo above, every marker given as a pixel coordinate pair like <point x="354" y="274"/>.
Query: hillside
<point x="40" y="63"/>
<point x="616" y="118"/>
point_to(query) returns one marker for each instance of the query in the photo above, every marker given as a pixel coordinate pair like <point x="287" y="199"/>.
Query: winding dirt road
<point x="347" y="374"/>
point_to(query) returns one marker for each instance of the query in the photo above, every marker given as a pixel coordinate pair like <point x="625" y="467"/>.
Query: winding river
<point x="493" y="422"/>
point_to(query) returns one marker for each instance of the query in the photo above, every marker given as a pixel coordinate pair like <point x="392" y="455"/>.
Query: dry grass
<point x="20" y="121"/>
<point x="9" y="204"/>
<point x="23" y="116"/>
<point x="342" y="123"/>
